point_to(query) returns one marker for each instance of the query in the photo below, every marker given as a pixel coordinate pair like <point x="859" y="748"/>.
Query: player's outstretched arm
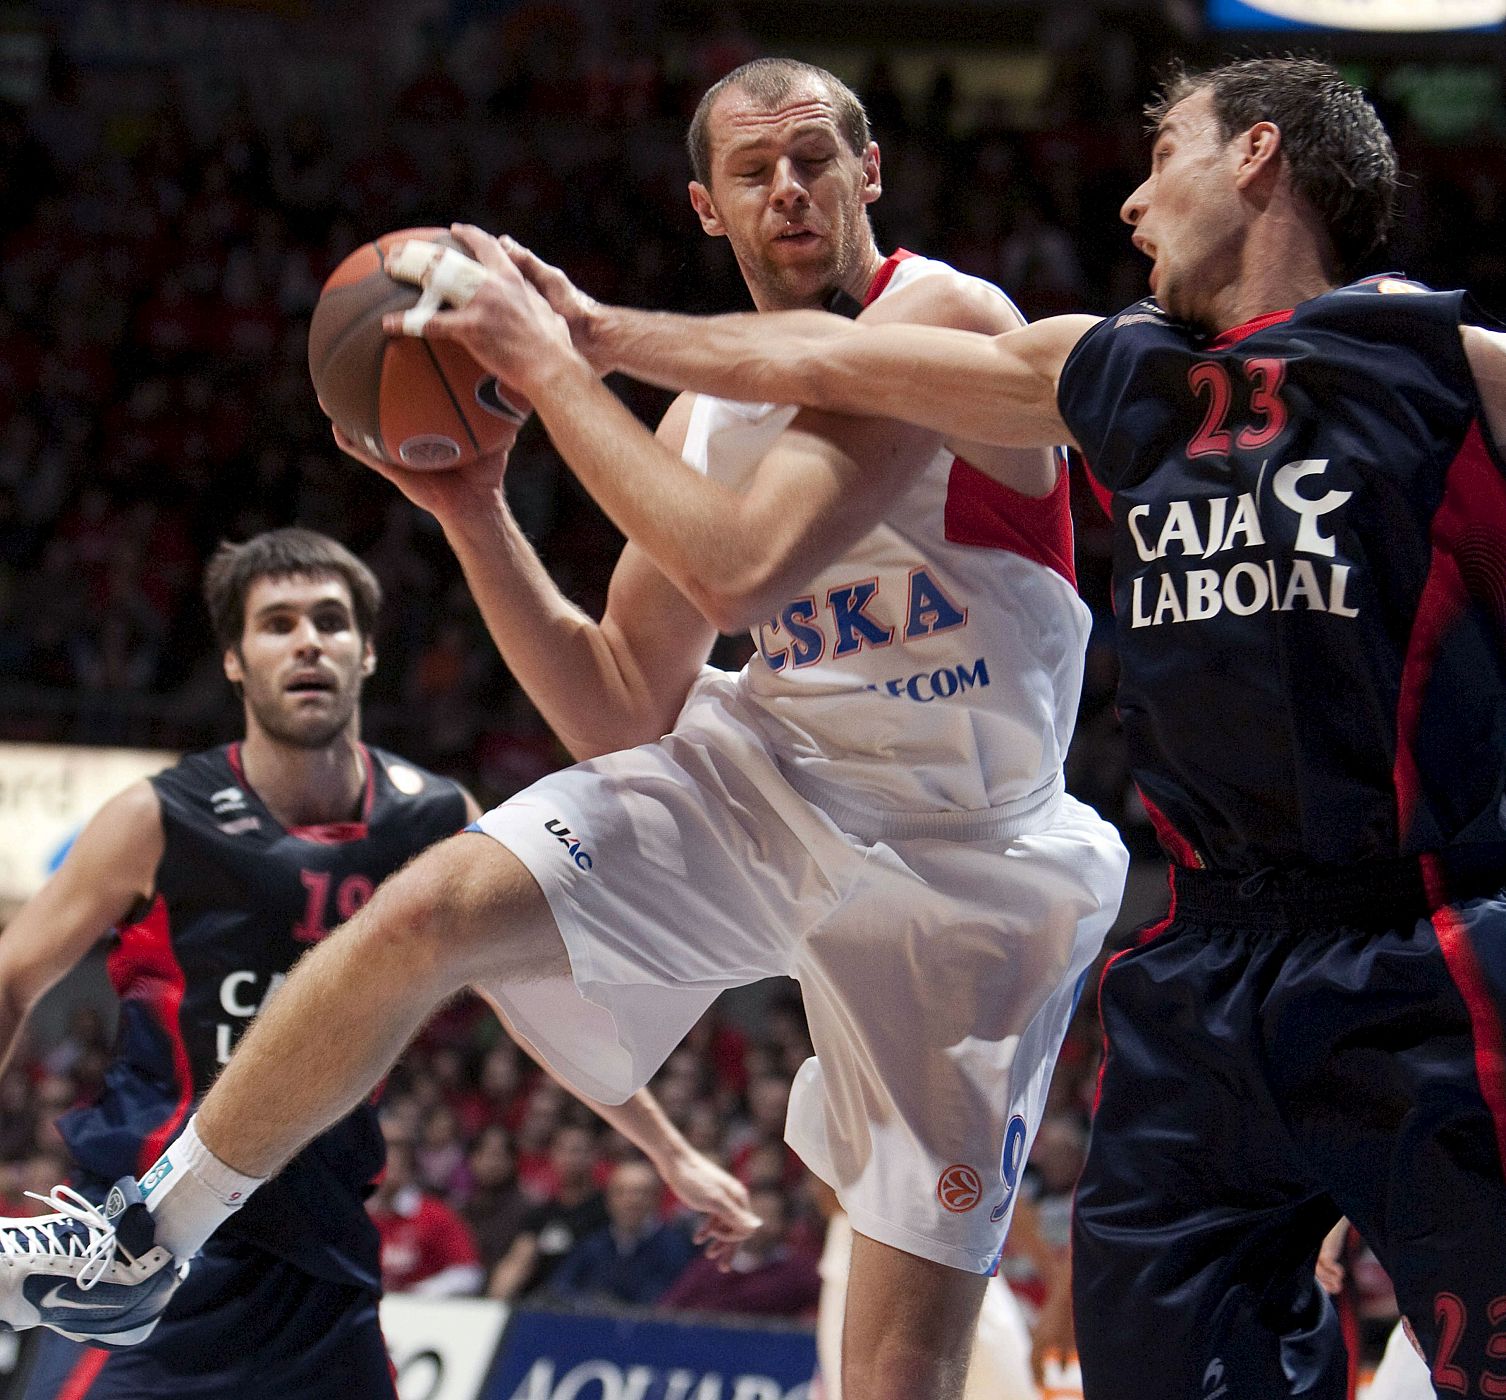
<point x="718" y="1196"/>
<point x="111" y="867"/>
<point x="997" y="389"/>
<point x="735" y="554"/>
<point x="706" y="1188"/>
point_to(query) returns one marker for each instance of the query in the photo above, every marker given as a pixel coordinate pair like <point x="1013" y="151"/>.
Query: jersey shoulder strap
<point x="200" y="787"/>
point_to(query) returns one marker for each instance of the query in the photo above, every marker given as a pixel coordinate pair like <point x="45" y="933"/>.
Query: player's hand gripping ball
<point x="425" y="405"/>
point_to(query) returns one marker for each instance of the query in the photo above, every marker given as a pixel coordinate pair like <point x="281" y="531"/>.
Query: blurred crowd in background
<point x="499" y="1183"/>
<point x="170" y="204"/>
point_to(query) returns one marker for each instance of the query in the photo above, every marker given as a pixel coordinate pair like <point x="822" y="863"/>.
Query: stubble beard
<point x="787" y="288"/>
<point x="278" y="726"/>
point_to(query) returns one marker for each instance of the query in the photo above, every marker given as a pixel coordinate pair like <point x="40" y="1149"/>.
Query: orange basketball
<point x="415" y="403"/>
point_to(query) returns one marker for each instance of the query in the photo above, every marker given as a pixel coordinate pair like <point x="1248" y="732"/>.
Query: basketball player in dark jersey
<point x="1309" y="493"/>
<point x="216" y="875"/>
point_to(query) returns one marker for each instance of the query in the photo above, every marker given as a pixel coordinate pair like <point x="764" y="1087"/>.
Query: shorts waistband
<point x="1369" y="893"/>
<point x="1002" y="823"/>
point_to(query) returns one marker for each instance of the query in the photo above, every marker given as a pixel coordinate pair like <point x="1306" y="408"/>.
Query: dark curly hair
<point x="1341" y="160"/>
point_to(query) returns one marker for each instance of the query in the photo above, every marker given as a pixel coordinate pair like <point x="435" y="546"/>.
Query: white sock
<point x="190" y="1192"/>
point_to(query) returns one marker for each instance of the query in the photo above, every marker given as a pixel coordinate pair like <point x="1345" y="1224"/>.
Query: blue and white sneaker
<point x="91" y="1273"/>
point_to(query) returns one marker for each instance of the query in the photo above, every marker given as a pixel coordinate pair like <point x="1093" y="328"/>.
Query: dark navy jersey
<point x="1309" y="575"/>
<point x="238" y="899"/>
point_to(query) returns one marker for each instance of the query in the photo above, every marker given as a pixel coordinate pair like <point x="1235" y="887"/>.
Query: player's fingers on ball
<point x="545" y="276"/>
<point x="480" y="245"/>
<point x="528" y="263"/>
<point x="396" y="323"/>
<point x="392" y="259"/>
<point x="439" y="326"/>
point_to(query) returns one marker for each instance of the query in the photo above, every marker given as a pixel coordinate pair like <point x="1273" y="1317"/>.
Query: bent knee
<point x="466" y="902"/>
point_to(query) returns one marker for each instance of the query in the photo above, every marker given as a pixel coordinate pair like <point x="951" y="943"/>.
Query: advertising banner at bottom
<point x="441" y="1348"/>
<point x="572" y="1356"/>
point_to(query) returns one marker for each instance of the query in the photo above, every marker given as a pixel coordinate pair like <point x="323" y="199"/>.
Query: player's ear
<point x="873" y="186"/>
<point x="700" y="200"/>
<point x="1258" y="151"/>
<point x="368" y="658"/>
<point x="235" y="670"/>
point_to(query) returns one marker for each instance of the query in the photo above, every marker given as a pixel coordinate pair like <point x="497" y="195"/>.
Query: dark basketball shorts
<point x="1287" y="1050"/>
<point x="244" y="1323"/>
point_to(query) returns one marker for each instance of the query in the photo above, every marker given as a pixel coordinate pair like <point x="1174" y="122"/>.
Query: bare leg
<point x="910" y="1325"/>
<point x="465" y="910"/>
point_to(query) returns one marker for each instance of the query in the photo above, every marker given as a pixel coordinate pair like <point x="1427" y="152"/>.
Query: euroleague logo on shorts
<point x="959" y="1188"/>
<point x="567" y="838"/>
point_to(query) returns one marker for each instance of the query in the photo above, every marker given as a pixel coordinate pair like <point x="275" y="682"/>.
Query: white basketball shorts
<point x="938" y="970"/>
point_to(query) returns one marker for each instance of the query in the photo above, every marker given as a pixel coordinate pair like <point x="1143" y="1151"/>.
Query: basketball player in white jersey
<point x="874" y="805"/>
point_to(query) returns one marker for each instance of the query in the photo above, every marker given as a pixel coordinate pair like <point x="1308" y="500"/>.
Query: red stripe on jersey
<point x="330" y="833"/>
<point x="1177" y="846"/>
<point x="885" y="272"/>
<point x="1434" y="880"/>
<point x="1349" y="1326"/>
<point x="1103" y="1059"/>
<point x="1468" y="565"/>
<point x="1155" y="930"/>
<point x="1490" y="1039"/>
<point x="369" y="796"/>
<point x="1101" y="493"/>
<point x="144" y="968"/>
<point x="984" y="512"/>
<point x="83" y="1375"/>
<point x="1235" y="334"/>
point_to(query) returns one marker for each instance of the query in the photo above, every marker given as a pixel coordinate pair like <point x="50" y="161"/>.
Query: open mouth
<point x="310" y="685"/>
<point x="796" y="236"/>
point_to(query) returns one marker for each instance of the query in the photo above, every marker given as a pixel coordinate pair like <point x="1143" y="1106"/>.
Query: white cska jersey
<point x="934" y="667"/>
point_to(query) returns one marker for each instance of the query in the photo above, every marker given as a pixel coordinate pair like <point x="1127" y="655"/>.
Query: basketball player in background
<point x="216" y="875"/>
<point x="1309" y="493"/>
<point x="873" y="805"/>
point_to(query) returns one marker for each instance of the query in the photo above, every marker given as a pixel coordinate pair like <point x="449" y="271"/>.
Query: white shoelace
<point x="20" y="1237"/>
